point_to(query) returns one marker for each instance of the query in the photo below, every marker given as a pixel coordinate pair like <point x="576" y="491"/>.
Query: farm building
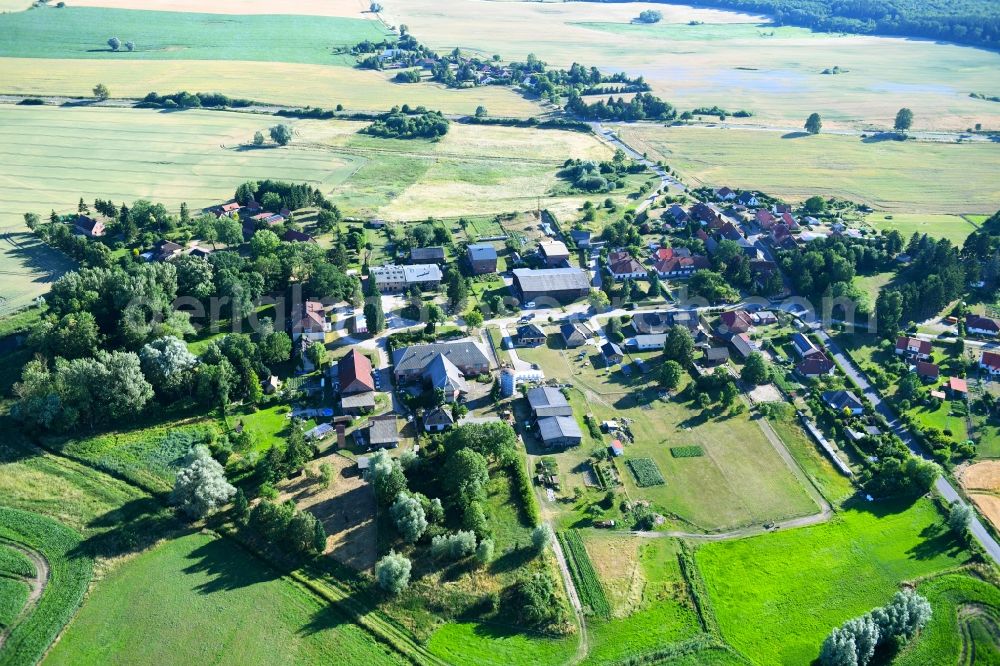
<point x="427" y="255"/>
<point x="482" y="258"/>
<point x="553" y="252"/>
<point x="646" y="342"/>
<point x="559" y="431"/>
<point x="89" y="226"/>
<point x="358" y="403"/>
<point x="354" y="372"/>
<point x="574" y="334"/>
<point x="646" y="323"/>
<point x="412" y="362"/>
<point x="559" y="284"/>
<point x="383" y="432"/>
<point x="548" y="401"/>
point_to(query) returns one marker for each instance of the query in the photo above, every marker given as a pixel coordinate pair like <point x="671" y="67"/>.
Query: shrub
<point x="453" y="546"/>
<point x="393" y="572"/>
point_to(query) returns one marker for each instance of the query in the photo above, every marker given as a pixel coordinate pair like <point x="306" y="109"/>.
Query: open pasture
<point x="953" y="227"/>
<point x="937" y="180"/>
<point x="201" y="599"/>
<point x="733" y="60"/>
<point x="82" y="33"/>
<point x="792" y="584"/>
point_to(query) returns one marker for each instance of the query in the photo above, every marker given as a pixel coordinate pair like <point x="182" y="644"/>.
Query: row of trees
<point x="421" y="124"/>
<point x="903" y="121"/>
<point x="885" y="629"/>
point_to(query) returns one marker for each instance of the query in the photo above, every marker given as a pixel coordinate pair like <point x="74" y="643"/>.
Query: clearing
<point x="907" y="176"/>
<point x="876" y="546"/>
<point x="204" y="599"/>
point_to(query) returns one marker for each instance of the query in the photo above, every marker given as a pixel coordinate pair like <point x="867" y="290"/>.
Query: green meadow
<point x="778" y="595"/>
<point x="83" y="32"/>
<point x="201" y="599"/>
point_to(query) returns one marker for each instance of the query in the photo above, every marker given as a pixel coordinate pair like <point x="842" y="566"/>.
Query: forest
<point x="973" y="22"/>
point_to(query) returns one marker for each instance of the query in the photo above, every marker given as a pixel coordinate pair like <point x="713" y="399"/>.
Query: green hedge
<point x="529" y="502"/>
<point x="69" y="575"/>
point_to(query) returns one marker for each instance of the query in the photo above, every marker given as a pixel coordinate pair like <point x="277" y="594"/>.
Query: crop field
<point x="981" y="481"/>
<point x="203" y="599"/>
<point x="733" y="60"/>
<point x="13" y="595"/>
<point x="874" y="546"/>
<point x="345" y="8"/>
<point x="14" y="563"/>
<point x="588" y="586"/>
<point x="82" y="33"/>
<point x="964" y="622"/>
<point x="938" y="180"/>
<point x="654" y="607"/>
<point x="70" y="573"/>
<point x="148" y="457"/>
<point x="276" y="83"/>
<point x="646" y="472"/>
<point x="27" y="266"/>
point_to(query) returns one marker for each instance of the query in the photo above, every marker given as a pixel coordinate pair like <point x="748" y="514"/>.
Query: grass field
<point x="964" y="622"/>
<point x="936" y="180"/>
<point x="653" y="609"/>
<point x="793" y="584"/>
<point x="733" y="60"/>
<point x="201" y="599"/>
<point x="834" y="486"/>
<point x="487" y="645"/>
<point x="276" y="83"/>
<point x="82" y="33"/>
<point x="70" y="572"/>
<point x="953" y="227"/>
<point x="748" y="481"/>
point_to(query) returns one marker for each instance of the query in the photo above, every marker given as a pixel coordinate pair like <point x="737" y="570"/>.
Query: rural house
<point x="623" y="266"/>
<point x="927" y="371"/>
<point x="646" y="323"/>
<point x="743" y="344"/>
<point x="990" y="362"/>
<point x="311" y="323"/>
<point x="841" y="400"/>
<point x="529" y="335"/>
<point x="438" y="419"/>
<point x="553" y="252"/>
<point x="913" y="348"/>
<point x="814" y="365"/>
<point x="978" y="325"/>
<point x="647" y="342"/>
<point x="482" y="258"/>
<point x="612" y="353"/>
<point x="354" y="373"/>
<point x="293" y="236"/>
<point x="88" y="226"/>
<point x="411" y="363"/>
<point x="574" y="334"/>
<point x="735" y="321"/>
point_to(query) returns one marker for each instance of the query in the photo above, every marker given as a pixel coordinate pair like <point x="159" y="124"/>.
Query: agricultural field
<point x="981" y="482"/>
<point x="54" y="596"/>
<point x="81" y="33"/>
<point x="749" y="481"/>
<point x="931" y="183"/>
<point x="201" y="598"/>
<point x="730" y="59"/>
<point x="952" y="227"/>
<point x="792" y="584"/>
<point x="344" y="8"/>
<point x="652" y="603"/>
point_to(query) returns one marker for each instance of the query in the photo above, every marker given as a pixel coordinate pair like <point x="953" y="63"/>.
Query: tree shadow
<point x="248" y="147"/>
<point x="45" y="264"/>
<point x="218" y="559"/>
<point x="795" y="135"/>
<point x="512" y="560"/>
<point x="131" y="528"/>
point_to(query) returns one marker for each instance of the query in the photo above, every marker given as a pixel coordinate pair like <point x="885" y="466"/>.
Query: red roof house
<point x="355" y="373"/>
<point x="913" y="347"/>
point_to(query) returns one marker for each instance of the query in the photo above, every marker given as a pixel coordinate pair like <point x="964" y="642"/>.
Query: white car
<point x="530" y="304"/>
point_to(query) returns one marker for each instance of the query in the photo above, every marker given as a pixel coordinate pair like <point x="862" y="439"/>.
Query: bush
<point x="541" y="537"/>
<point x="393" y="572"/>
<point x="529" y="501"/>
<point x="453" y="546"/>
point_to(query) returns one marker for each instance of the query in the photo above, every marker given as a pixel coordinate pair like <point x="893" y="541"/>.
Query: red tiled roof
<point x="982" y="323"/>
<point x="990" y="360"/>
<point x="355" y="373"/>
<point x="737" y="321"/>
<point x="816" y="363"/>
<point x="958" y="385"/>
<point x="905" y="343"/>
<point x="696" y="262"/>
<point x="925" y="369"/>
<point x="313" y="318"/>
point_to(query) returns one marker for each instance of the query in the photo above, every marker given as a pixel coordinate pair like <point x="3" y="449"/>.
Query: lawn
<point x="833" y="485"/>
<point x="730" y="59"/>
<point x="795" y="585"/>
<point x="937" y="180"/>
<point x="70" y="573"/>
<point x="653" y="608"/>
<point x="201" y="599"/>
<point x="489" y="645"/>
<point x="82" y="33"/>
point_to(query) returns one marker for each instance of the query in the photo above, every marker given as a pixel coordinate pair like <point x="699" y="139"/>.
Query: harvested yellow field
<point x="730" y="59"/>
<point x="616" y="561"/>
<point x="342" y="8"/>
<point x="989" y="505"/>
<point x="983" y="475"/>
<point x="14" y="5"/>
<point x="277" y="83"/>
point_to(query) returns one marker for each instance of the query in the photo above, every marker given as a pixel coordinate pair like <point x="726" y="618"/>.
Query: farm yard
<point x="740" y="480"/>
<point x="924" y="185"/>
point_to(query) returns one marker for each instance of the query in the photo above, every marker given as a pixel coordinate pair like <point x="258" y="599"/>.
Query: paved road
<point x="942" y="485"/>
